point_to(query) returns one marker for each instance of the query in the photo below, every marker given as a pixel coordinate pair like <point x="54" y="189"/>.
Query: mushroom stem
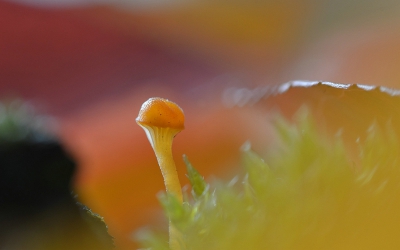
<point x="161" y="141"/>
<point x="162" y="144"/>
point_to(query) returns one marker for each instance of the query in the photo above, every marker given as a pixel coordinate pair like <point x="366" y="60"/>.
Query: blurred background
<point x="91" y="64"/>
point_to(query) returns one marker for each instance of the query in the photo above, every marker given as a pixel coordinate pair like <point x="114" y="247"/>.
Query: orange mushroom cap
<point x="162" y="113"/>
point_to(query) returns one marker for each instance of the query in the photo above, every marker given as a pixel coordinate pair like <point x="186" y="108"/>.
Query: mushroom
<point x="162" y="120"/>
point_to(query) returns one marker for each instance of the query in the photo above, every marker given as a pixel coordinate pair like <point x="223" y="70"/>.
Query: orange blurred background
<point x="92" y="64"/>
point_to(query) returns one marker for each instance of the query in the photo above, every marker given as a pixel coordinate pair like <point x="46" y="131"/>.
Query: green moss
<point x="20" y="122"/>
<point x="309" y="194"/>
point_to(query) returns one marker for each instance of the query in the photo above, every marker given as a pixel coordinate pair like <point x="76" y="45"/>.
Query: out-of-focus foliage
<point x="37" y="207"/>
<point x="19" y="122"/>
<point x="308" y="194"/>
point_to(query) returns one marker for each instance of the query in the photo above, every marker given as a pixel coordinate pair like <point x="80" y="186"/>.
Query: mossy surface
<point x="308" y="194"/>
